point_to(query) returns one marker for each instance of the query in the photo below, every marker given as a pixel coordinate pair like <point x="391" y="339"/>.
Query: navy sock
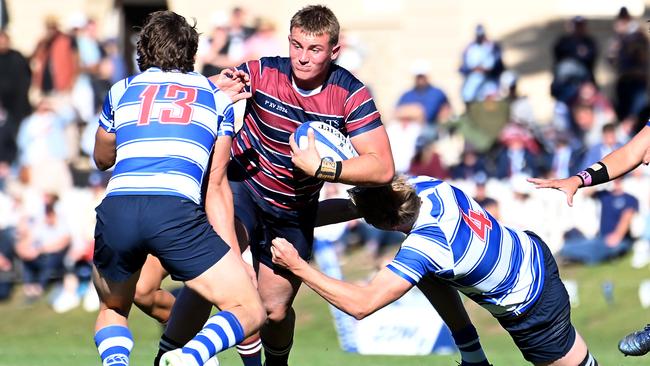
<point x="250" y="351"/>
<point x="469" y="345"/>
<point x="275" y="356"/>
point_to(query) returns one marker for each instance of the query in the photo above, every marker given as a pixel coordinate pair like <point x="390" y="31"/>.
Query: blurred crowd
<point x="49" y="102"/>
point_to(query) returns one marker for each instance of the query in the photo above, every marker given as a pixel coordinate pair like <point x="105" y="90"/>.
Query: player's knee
<point x="116" y="304"/>
<point x="258" y="314"/>
<point x="144" y="295"/>
<point x="277" y="312"/>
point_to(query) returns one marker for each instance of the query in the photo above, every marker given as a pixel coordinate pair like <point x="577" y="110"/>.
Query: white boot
<point x="178" y="358"/>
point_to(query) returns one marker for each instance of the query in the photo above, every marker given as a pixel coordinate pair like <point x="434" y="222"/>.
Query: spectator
<point x="55" y="60"/>
<point x="519" y="210"/>
<point x="15" y="78"/>
<point x="226" y="45"/>
<point x="585" y="115"/>
<point x="264" y="42"/>
<point x="374" y="241"/>
<point x="481" y="197"/>
<point x="471" y="164"/>
<point x="86" y="91"/>
<point x="352" y="53"/>
<point x="8" y="220"/>
<point x="432" y="99"/>
<point x="403" y="132"/>
<point x="213" y="51"/>
<point x="43" y="147"/>
<point x="628" y="54"/>
<point x="78" y="206"/>
<point x="606" y="146"/>
<point x="482" y="65"/>
<point x="521" y="110"/>
<point x="113" y="67"/>
<point x="41" y="247"/>
<point x="519" y="154"/>
<point x="564" y="160"/>
<point x="426" y="160"/>
<point x="238" y="33"/>
<point x="617" y="211"/>
<point x="589" y="94"/>
<point x="577" y="45"/>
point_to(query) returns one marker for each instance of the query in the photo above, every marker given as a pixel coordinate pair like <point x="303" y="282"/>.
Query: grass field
<point x="35" y="336"/>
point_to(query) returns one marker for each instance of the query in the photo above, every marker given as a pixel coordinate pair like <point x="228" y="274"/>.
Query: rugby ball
<point x="330" y="142"/>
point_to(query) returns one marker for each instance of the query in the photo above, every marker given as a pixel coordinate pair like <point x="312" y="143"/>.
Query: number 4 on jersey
<point x="478" y="222"/>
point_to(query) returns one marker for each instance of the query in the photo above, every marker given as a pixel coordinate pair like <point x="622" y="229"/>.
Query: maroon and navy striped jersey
<point x="261" y="147"/>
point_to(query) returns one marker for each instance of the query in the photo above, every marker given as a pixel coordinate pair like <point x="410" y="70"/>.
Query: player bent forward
<point x="510" y="273"/>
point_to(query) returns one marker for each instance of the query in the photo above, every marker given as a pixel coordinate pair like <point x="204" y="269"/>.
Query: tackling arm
<point x="357" y="301"/>
<point x="333" y="211"/>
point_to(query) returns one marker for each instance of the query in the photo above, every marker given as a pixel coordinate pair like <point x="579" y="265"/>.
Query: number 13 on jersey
<point x="180" y="110"/>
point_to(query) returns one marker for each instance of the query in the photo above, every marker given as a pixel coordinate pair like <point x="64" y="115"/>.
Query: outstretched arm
<point x="357" y="301"/>
<point x="617" y="163"/>
<point x="335" y="210"/>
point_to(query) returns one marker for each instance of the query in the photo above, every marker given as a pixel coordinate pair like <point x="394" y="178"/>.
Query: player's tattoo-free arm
<point x="218" y="199"/>
<point x="618" y="163"/>
<point x="335" y="210"/>
<point x="374" y="165"/>
<point x="105" y="150"/>
<point x="357" y="301"/>
<point x="628" y="156"/>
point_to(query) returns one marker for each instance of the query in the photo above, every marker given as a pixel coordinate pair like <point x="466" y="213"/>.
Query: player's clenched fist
<point x="284" y="254"/>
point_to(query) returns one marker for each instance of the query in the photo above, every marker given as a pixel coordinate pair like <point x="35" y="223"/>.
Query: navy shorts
<point x="264" y="222"/>
<point x="174" y="229"/>
<point x="544" y="332"/>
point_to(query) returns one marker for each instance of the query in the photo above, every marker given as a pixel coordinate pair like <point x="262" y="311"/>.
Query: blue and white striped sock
<point x="469" y="345"/>
<point x="220" y="332"/>
<point x="114" y="344"/>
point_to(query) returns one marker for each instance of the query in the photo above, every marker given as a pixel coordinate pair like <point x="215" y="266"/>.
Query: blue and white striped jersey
<point x="166" y="125"/>
<point x="457" y="241"/>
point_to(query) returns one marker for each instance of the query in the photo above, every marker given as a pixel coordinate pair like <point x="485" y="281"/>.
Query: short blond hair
<point x="317" y="20"/>
<point x="388" y="206"/>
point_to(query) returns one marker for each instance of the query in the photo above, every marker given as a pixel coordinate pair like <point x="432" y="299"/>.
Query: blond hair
<point x="317" y="20"/>
<point x="389" y="206"/>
